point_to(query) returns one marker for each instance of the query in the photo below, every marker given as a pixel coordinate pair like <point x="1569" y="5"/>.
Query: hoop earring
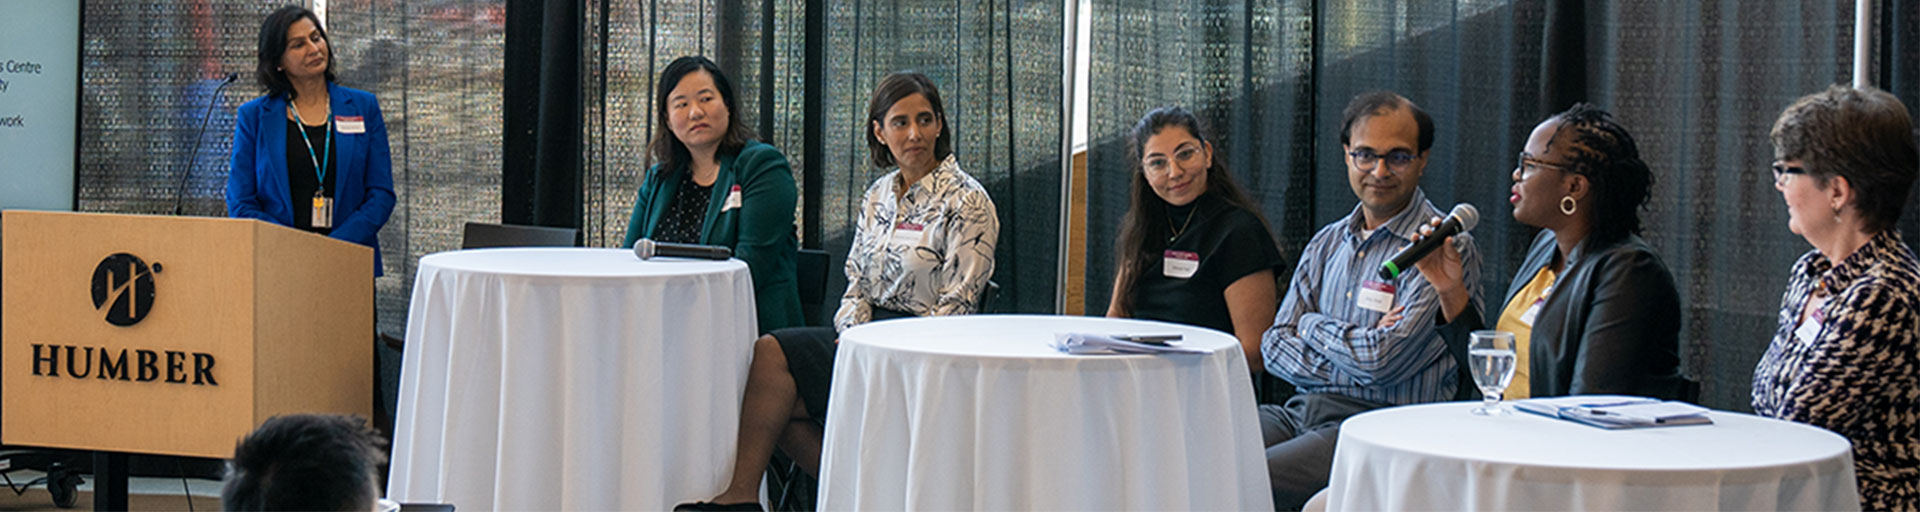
<point x="1568" y="205"/>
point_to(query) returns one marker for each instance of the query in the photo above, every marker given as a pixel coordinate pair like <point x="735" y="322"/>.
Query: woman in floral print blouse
<point x="1846" y="356"/>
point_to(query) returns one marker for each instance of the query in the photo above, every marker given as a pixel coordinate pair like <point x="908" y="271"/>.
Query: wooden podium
<point x="176" y="335"/>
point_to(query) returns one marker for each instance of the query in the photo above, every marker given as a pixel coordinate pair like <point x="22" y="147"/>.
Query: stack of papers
<point x="1085" y="343"/>
<point x="1617" y="412"/>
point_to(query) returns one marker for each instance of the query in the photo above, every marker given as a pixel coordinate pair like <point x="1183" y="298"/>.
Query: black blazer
<point x="1610" y="326"/>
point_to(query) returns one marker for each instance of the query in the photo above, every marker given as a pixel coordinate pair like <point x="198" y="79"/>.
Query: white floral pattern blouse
<point x="929" y="253"/>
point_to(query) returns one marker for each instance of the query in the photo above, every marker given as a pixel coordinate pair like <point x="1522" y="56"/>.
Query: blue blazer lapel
<point x="346" y="147"/>
<point x="272" y="158"/>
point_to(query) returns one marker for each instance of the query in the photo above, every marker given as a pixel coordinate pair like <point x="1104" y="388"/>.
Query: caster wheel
<point x="63" y="485"/>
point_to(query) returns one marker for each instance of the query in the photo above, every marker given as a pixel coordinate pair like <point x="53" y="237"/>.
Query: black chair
<point x="481" y="235"/>
<point x="813" y="266"/>
<point x="987" y="296"/>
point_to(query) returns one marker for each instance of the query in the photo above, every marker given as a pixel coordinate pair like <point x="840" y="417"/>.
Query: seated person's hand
<point x="1442" y="267"/>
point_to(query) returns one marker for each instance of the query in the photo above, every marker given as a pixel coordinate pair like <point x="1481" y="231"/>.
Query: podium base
<point x="109" y="481"/>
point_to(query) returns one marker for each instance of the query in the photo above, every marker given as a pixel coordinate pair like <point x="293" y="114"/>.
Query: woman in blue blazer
<point x="310" y="154"/>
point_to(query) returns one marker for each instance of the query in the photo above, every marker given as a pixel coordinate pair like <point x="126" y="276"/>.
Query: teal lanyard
<point x="319" y="166"/>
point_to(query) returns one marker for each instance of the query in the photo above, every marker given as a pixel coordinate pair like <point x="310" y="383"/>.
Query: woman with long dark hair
<point x="1193" y="249"/>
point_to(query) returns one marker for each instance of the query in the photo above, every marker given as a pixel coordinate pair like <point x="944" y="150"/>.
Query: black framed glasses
<point x="1397" y="161"/>
<point x="1783" y="173"/>
<point x="1529" y="166"/>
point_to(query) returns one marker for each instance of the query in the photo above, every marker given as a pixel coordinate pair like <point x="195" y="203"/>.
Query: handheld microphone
<point x="180" y="195"/>
<point x="647" y="249"/>
<point x="1463" y="218"/>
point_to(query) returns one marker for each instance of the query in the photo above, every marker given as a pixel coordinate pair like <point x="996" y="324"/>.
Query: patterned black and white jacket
<point x="928" y="253"/>
<point x="1857" y="373"/>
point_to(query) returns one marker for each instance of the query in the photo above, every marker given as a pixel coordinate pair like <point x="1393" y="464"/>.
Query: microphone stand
<point x="180" y="194"/>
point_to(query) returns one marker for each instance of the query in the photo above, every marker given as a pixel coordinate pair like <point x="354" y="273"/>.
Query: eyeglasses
<point x="1157" y="164"/>
<point x="1397" y="160"/>
<point x="1530" y="166"/>
<point x="1783" y="173"/>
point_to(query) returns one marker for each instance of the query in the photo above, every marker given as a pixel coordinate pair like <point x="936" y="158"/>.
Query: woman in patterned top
<point x="923" y="246"/>
<point x="1846" y="355"/>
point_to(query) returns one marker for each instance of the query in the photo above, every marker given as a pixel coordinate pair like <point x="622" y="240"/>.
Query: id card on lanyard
<point x="322" y="216"/>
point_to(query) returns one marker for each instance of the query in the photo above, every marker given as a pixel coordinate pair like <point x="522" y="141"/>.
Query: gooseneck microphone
<point x="648" y="249"/>
<point x="1462" y="219"/>
<point x="180" y="194"/>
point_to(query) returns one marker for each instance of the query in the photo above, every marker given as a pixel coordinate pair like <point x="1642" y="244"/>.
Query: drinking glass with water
<point x="1490" y="359"/>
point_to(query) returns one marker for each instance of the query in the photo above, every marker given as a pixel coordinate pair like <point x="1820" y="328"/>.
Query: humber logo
<point x="123" y="286"/>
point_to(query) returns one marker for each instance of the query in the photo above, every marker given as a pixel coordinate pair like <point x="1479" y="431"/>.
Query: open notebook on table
<point x="1616" y="411"/>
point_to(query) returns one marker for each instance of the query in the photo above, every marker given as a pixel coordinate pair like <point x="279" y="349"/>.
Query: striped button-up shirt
<point x="1323" y="342"/>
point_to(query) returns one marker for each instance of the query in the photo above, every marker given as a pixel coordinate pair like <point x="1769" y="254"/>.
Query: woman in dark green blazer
<point x="711" y="183"/>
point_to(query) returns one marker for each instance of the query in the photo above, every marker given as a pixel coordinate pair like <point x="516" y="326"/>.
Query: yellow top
<point x="1514" y="319"/>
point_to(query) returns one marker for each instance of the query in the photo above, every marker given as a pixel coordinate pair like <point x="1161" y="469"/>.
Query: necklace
<point x="1183" y="226"/>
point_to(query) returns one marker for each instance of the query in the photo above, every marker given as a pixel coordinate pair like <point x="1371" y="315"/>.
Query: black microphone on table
<point x="180" y="196"/>
<point x="1462" y="219"/>
<point x="649" y="249"/>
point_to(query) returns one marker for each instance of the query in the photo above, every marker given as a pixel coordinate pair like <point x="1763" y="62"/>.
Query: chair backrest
<point x="482" y="234"/>
<point x="812" y="266"/>
<point x="987" y="296"/>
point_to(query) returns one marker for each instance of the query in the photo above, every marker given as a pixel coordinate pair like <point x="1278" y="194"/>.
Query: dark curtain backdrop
<point x="1697" y="83"/>
<point x="998" y="65"/>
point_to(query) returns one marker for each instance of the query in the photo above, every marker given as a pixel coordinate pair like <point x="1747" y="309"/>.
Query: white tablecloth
<point x="980" y="413"/>
<point x="543" y="379"/>
<point x="1440" y="457"/>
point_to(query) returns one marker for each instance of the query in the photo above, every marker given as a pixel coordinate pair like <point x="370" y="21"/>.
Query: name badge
<point x="1376" y="296"/>
<point x="733" y="199"/>
<point x="1533" y="311"/>
<point x="350" y="124"/>
<point x="322" y="216"/>
<point x="1809" y="329"/>
<point x="1179" y="264"/>
<point x="907" y="234"/>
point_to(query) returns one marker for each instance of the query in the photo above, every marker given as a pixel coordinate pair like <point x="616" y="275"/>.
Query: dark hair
<point x="666" y="148"/>
<point x="1863" y="135"/>
<point x="305" y="462"/>
<point x="1605" y="153"/>
<point x="892" y="88"/>
<point x="1140" y="246"/>
<point x="1374" y="103"/>
<point x="273" y="45"/>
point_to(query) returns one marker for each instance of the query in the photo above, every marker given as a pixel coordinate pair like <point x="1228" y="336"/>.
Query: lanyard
<point x="319" y="167"/>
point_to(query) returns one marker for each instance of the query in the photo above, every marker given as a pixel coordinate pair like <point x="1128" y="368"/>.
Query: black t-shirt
<point x="1230" y="243"/>
<point x="686" y="214"/>
<point x="301" y="180"/>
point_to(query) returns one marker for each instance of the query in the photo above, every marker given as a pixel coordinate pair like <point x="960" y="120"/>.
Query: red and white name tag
<point x="733" y="199"/>
<point x="1375" y="296"/>
<point x="1179" y="264"/>
<point x="350" y="124"/>
<point x="1809" y="329"/>
<point x="907" y="234"/>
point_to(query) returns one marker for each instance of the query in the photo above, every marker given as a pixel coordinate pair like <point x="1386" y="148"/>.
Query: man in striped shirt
<point x="1347" y="340"/>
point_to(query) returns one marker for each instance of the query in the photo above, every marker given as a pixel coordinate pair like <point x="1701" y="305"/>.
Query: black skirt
<point x="810" y="352"/>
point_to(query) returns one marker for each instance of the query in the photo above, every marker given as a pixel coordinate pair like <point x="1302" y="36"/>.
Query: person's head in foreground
<point x="305" y="462"/>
